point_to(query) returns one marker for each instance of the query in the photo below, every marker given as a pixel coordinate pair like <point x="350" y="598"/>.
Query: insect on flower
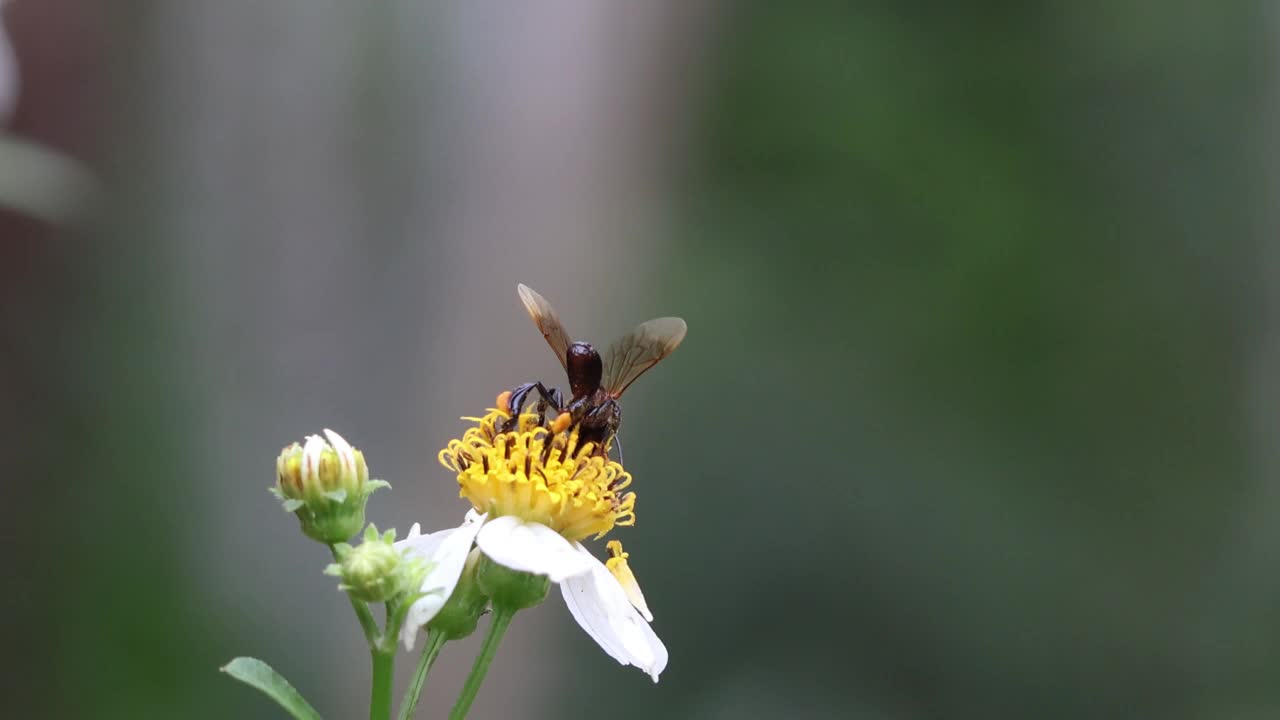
<point x="595" y="384"/>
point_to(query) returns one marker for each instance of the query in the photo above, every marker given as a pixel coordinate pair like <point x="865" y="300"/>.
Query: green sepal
<point x="332" y="522"/>
<point x="458" y="618"/>
<point x="462" y="609"/>
<point x="257" y="674"/>
<point x="511" y="589"/>
<point x="287" y="503"/>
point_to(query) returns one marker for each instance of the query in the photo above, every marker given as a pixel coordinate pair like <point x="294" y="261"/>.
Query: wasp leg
<point x="516" y="402"/>
<point x="520" y="396"/>
<point x="557" y="399"/>
<point x="606" y="414"/>
<point x="550" y="398"/>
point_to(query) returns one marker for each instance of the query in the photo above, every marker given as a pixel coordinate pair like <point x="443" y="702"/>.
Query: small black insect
<point x="595" y="384"/>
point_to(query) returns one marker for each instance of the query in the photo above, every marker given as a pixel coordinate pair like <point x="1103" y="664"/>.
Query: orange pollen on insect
<point x="504" y="400"/>
<point x="561" y="423"/>
<point x="540" y="474"/>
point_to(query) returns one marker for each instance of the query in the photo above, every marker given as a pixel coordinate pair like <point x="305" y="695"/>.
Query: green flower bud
<point x="457" y="619"/>
<point x="374" y="571"/>
<point x="326" y="484"/>
<point x="511" y="589"/>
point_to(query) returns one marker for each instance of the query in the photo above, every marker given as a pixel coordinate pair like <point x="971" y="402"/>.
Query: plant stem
<point x="383" y="660"/>
<point x="383" y="679"/>
<point x="501" y="619"/>
<point x="367" y="623"/>
<point x="435" y="641"/>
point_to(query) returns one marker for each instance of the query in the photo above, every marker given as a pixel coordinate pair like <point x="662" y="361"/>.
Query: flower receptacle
<point x="511" y="589"/>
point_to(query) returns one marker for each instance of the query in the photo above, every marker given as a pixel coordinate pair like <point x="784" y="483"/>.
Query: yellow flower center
<point x="540" y="475"/>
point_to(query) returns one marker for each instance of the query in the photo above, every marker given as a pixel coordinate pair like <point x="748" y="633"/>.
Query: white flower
<point x="543" y="490"/>
<point x="596" y="599"/>
<point x="446" y="554"/>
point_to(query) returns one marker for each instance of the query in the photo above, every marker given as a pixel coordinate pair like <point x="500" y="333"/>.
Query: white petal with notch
<point x="530" y="547"/>
<point x="601" y="608"/>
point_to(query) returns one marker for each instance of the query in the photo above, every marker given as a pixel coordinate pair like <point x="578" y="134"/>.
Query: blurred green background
<point x="977" y="415"/>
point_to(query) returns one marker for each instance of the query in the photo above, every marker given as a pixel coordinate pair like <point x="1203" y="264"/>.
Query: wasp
<point x="595" y="383"/>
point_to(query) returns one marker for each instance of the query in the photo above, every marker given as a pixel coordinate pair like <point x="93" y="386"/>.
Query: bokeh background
<point x="978" y="414"/>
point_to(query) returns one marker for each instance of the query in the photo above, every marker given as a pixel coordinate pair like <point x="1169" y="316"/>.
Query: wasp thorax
<point x="584" y="368"/>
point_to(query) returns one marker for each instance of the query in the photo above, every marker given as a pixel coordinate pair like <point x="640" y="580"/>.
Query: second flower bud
<point x="375" y="570"/>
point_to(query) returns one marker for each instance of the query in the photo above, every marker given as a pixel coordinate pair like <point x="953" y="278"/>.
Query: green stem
<point x="501" y="619"/>
<point x="435" y="641"/>
<point x="383" y="677"/>
<point x="367" y="623"/>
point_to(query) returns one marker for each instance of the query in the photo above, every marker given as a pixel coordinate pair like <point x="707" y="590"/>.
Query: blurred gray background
<point x="977" y="416"/>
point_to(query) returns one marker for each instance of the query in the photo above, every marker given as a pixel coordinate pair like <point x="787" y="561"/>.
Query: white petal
<point x="580" y="597"/>
<point x="346" y="456"/>
<point x="602" y="609"/>
<point x="530" y="547"/>
<point x="423" y="546"/>
<point x="311" y="451"/>
<point x="446" y="552"/>
<point x="420" y="613"/>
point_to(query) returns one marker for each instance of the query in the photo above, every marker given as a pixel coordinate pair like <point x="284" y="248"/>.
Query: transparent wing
<point x="544" y="316"/>
<point x="631" y="355"/>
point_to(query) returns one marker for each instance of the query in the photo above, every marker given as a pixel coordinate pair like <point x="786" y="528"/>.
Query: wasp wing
<point x="544" y="316"/>
<point x="631" y="355"/>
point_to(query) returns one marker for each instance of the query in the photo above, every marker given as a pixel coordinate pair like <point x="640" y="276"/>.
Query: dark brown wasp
<point x="595" y="384"/>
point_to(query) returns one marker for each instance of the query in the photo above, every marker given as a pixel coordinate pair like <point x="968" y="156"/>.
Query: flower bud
<point x="511" y="589"/>
<point x="457" y="619"/>
<point x="326" y="484"/>
<point x="374" y="571"/>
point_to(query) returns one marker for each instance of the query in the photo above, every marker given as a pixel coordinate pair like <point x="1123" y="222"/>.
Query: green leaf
<point x="255" y="673"/>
